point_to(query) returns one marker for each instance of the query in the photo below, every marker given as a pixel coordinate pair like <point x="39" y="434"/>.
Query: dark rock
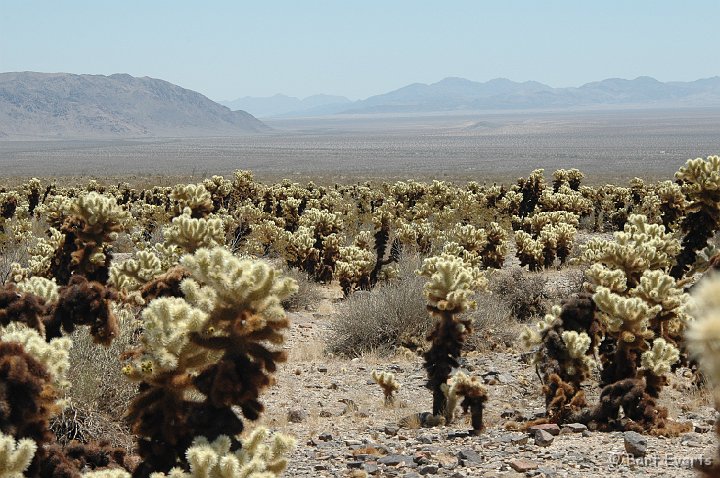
<point x="635" y="444"/>
<point x="543" y="438"/>
<point x="575" y="427"/>
<point x="470" y="456"/>
<point x="551" y="428"/>
<point x="392" y="460"/>
<point x="428" y="469"/>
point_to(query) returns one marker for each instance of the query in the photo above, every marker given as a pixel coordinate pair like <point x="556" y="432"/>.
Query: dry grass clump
<point x="494" y="324"/>
<point x="307" y="297"/>
<point x="100" y="392"/>
<point x="9" y="253"/>
<point x="523" y="292"/>
<point x="390" y="315"/>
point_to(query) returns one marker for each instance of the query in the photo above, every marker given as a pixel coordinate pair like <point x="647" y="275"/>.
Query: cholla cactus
<point x="219" y="342"/>
<point x="565" y="341"/>
<point x="531" y="189"/>
<point x="700" y="182"/>
<point x="449" y="291"/>
<point x="92" y="222"/>
<point x="354" y="268"/>
<point x="53" y="355"/>
<point x="191" y="234"/>
<point x="131" y="274"/>
<point x="473" y="394"/>
<point x="565" y="199"/>
<point x="388" y="384"/>
<point x="194" y="197"/>
<point x="639" y="247"/>
<point x="567" y="177"/>
<point x="217" y="459"/>
<point x="15" y="456"/>
<point x="46" y="289"/>
<point x="672" y="204"/>
<point x="530" y="252"/>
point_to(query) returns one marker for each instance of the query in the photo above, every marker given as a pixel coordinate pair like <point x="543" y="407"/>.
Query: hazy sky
<point x="228" y="49"/>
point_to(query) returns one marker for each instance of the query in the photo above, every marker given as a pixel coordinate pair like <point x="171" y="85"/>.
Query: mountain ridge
<point x="67" y="105"/>
<point x="456" y="93"/>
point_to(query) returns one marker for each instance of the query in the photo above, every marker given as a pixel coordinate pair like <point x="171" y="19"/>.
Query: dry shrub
<point x="11" y="252"/>
<point x="100" y="393"/>
<point x="307" y="297"/>
<point x="390" y="315"/>
<point x="494" y="324"/>
<point x="523" y="292"/>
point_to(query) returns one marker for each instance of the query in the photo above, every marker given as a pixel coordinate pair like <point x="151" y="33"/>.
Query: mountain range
<point x="283" y="105"/>
<point x="458" y="94"/>
<point x="67" y="105"/>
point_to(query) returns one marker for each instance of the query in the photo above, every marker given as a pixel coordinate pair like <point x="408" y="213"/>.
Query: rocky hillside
<point x="76" y="106"/>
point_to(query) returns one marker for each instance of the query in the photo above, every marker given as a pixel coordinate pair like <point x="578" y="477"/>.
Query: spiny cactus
<point x="217" y="459"/>
<point x="473" y="395"/>
<point x="91" y="223"/>
<point x="194" y="197"/>
<point x="564" y="343"/>
<point x="449" y="291"/>
<point x="388" y="384"/>
<point x="219" y="341"/>
<point x="15" y="456"/>
<point x="700" y="182"/>
<point x="191" y="234"/>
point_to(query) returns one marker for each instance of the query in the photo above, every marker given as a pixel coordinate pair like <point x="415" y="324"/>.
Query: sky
<point x="231" y="49"/>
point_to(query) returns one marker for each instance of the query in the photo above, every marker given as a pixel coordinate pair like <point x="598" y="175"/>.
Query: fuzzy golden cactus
<point x="700" y="182"/>
<point x="219" y="342"/>
<point x="15" y="456"/>
<point x="216" y="459"/>
<point x="389" y="385"/>
<point x="191" y="234"/>
<point x="449" y="291"/>
<point x="92" y="222"/>
<point x="194" y="197"/>
<point x="473" y="395"/>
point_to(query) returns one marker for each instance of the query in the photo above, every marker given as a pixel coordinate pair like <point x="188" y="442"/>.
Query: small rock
<point x="428" y="469"/>
<point x="701" y="428"/>
<point x="547" y="472"/>
<point x="355" y="464"/>
<point x="296" y="415"/>
<point x="458" y="434"/>
<point x="635" y="444"/>
<point x="470" y="456"/>
<point x="371" y="469"/>
<point x="392" y="460"/>
<point x="391" y="429"/>
<point x="575" y="427"/>
<point x="325" y="436"/>
<point x="425" y="439"/>
<point x="522" y="466"/>
<point x="543" y="438"/>
<point x="551" y="428"/>
<point x="325" y="413"/>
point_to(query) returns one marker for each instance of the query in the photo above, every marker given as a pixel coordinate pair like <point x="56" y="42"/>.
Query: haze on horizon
<point x="228" y="50"/>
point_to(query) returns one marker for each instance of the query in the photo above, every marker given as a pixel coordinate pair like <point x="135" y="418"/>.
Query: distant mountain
<point x="280" y="105"/>
<point x="461" y="94"/>
<point x="67" y="105"/>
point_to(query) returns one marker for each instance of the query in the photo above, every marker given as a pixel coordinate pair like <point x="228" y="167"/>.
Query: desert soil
<point x="336" y="412"/>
